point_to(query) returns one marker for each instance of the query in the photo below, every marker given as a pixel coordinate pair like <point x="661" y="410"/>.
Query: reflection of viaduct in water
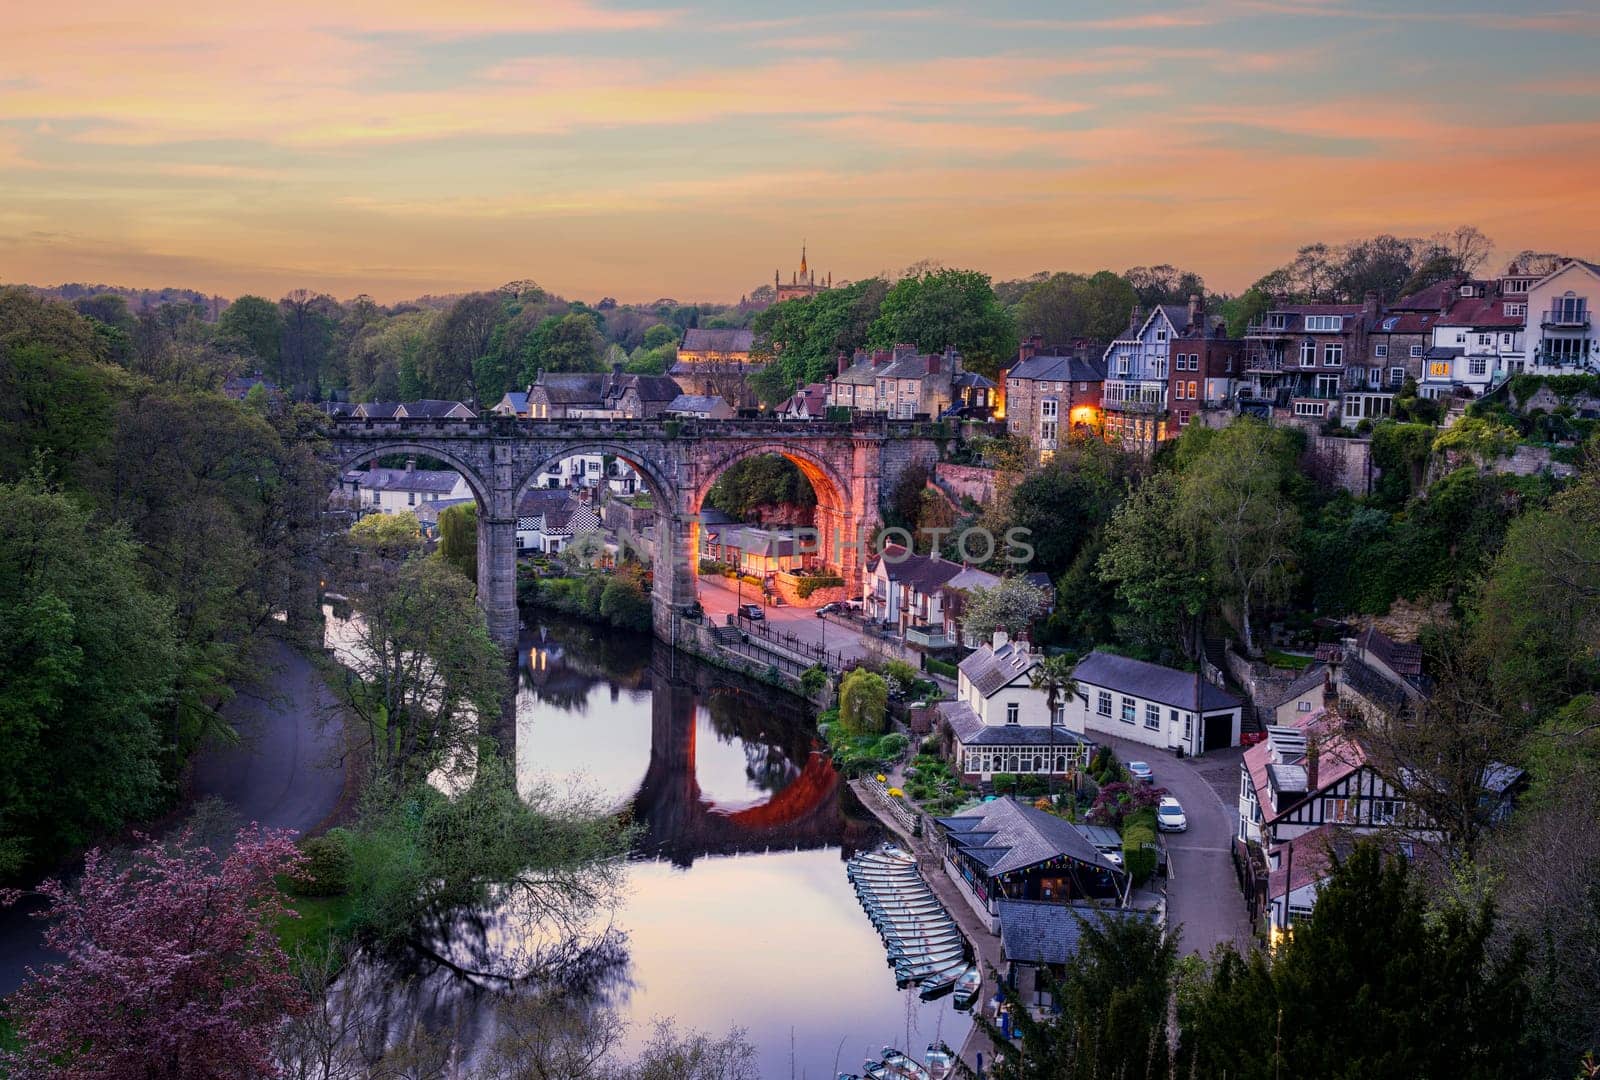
<point x="680" y="823"/>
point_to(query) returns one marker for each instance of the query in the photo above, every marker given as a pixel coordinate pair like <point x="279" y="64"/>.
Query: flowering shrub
<point x="1116" y="801"/>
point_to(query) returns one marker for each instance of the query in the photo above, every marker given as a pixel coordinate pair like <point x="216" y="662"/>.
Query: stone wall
<point x="1345" y="463"/>
<point x="966" y="481"/>
<point x="1263" y="684"/>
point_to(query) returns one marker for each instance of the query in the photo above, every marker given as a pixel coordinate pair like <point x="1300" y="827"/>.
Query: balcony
<point x="1135" y="395"/>
<point x="1565" y="320"/>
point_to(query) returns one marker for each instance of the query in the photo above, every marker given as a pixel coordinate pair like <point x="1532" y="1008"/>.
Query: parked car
<point x="1170" y="816"/>
<point x="752" y="611"/>
<point x="1141" y="772"/>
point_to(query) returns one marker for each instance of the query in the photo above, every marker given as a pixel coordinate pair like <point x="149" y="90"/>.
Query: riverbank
<point x="985" y="946"/>
<point x="287" y="770"/>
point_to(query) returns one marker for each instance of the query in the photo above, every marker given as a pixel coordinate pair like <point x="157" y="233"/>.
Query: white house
<point x="589" y="471"/>
<point x="1159" y="706"/>
<point x="391" y="491"/>
<point x="1000" y="723"/>
<point x="548" y="519"/>
<point x="1560" y="335"/>
<point x="1475" y="341"/>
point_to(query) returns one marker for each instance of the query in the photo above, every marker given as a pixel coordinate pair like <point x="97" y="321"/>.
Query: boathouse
<point x="1003" y="850"/>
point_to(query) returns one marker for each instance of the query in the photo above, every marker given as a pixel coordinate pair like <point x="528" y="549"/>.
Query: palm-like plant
<point x="1053" y="675"/>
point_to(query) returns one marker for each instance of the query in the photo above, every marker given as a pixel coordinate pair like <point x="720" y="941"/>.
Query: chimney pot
<point x="1000" y="638"/>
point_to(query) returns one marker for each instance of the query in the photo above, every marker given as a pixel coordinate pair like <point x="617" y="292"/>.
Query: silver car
<point x="1170" y="816"/>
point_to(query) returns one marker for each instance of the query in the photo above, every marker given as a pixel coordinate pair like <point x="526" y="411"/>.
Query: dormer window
<point x="1468" y="290"/>
<point x="1324" y="323"/>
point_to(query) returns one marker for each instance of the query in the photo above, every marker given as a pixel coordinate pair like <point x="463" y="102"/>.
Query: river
<point x="737" y="910"/>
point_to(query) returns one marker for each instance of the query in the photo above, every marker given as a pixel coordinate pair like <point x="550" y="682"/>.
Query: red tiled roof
<point x="1482" y="311"/>
<point x="1338" y="755"/>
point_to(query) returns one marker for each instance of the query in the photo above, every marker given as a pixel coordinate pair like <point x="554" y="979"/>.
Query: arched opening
<point x="417" y="480"/>
<point x="771" y="530"/>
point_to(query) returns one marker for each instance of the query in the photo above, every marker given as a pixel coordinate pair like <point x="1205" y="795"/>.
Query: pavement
<point x="1203" y="897"/>
<point x="284" y="772"/>
<point x="721" y="597"/>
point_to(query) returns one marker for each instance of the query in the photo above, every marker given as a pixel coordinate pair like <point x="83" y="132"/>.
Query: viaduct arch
<point x="850" y="466"/>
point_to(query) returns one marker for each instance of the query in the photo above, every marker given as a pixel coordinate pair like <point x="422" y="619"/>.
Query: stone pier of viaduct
<point x="850" y="467"/>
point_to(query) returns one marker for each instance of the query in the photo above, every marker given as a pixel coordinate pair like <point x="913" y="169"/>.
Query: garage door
<point x="1218" y="731"/>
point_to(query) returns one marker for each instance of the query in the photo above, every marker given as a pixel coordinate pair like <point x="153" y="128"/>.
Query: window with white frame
<point x="1183" y="417"/>
<point x="1352" y="406"/>
<point x="1516" y="311"/>
<point x="1310" y="408"/>
<point x="1308" y="353"/>
<point x="1048" y="413"/>
<point x="1375" y="377"/>
<point x="1477" y="365"/>
<point x="1194" y="391"/>
<point x="1397" y="375"/>
<point x="1416" y="352"/>
<point x="1385" y="811"/>
<point x="1152" y="717"/>
<point x="1130" y="710"/>
<point x="1324" y="323"/>
<point x="1485" y="339"/>
<point x="1103" y="704"/>
<point x="1333" y="355"/>
<point x="1569" y="308"/>
<point x="1013" y="712"/>
<point x="1381" y="350"/>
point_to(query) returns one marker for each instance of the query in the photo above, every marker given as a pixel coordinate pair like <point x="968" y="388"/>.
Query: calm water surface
<point x="738" y="909"/>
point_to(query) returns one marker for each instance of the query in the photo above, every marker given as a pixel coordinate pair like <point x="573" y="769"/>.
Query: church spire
<point x="802" y="258"/>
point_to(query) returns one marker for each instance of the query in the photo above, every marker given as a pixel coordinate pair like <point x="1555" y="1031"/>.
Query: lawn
<point x="1289" y="660"/>
<point x="323" y="920"/>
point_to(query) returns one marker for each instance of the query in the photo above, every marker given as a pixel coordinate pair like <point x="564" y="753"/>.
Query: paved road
<point x="283" y="773"/>
<point x="720" y="596"/>
<point x="1203" y="894"/>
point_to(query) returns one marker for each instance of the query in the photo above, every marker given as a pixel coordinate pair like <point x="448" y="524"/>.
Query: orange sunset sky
<point x="644" y="149"/>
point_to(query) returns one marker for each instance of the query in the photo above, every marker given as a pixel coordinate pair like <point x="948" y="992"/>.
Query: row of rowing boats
<point x="926" y="948"/>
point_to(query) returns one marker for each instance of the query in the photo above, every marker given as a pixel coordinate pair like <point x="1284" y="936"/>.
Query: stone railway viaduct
<point x="851" y="466"/>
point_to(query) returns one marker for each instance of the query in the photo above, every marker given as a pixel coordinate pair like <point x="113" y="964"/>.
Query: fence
<point x="895" y="808"/>
<point x="833" y="661"/>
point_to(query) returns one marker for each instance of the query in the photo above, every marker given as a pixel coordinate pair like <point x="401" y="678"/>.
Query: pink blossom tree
<point x="172" y="967"/>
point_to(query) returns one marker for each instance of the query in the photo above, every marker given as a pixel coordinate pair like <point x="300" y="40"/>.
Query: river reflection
<point x="738" y="909"/>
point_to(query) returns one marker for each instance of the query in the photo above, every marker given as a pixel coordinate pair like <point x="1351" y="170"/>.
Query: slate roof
<point x="719" y="340"/>
<point x="861" y="372"/>
<point x="1359" y="676"/>
<point x="377" y="410"/>
<point x="653" y="387"/>
<point x="988" y="668"/>
<point x="968" y="380"/>
<point x="1407" y="322"/>
<point x="571" y="387"/>
<point x="1039" y="932"/>
<point x="1311" y="678"/>
<point x="694" y="403"/>
<point x="428" y="512"/>
<point x="1059" y="369"/>
<point x="1402" y="658"/>
<point x="541" y="500"/>
<point x="437" y="481"/>
<point x="1025" y="836"/>
<point x="922" y="573"/>
<point x="1166" y="685"/>
<point x="434" y="408"/>
<point x="516" y="401"/>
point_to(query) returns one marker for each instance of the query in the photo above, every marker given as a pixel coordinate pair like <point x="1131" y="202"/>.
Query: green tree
<point x="937" y="309"/>
<point x="863" y="702"/>
<point x="805" y="336"/>
<point x="423" y="671"/>
<point x="772" y="384"/>
<point x="464" y="362"/>
<point x="1112" y="1019"/>
<point x="306" y="342"/>
<point x="1066" y="307"/>
<point x="388" y="535"/>
<point x="1158" y="567"/>
<point x="458" y="539"/>
<point x="90" y="661"/>
<point x="1233" y="498"/>
<point x="625" y="602"/>
<point x="1012" y="606"/>
<point x="564" y="343"/>
<point x="1373" y="984"/>
<point x="658" y="335"/>
<point x="253" y="327"/>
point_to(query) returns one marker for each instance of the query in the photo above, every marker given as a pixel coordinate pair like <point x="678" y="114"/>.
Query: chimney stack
<point x="1194" y="310"/>
<point x="1313" y="759"/>
<point x="411" y="464"/>
<point x="844" y="362"/>
<point x="1370" y="305"/>
<point x="1000" y="638"/>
